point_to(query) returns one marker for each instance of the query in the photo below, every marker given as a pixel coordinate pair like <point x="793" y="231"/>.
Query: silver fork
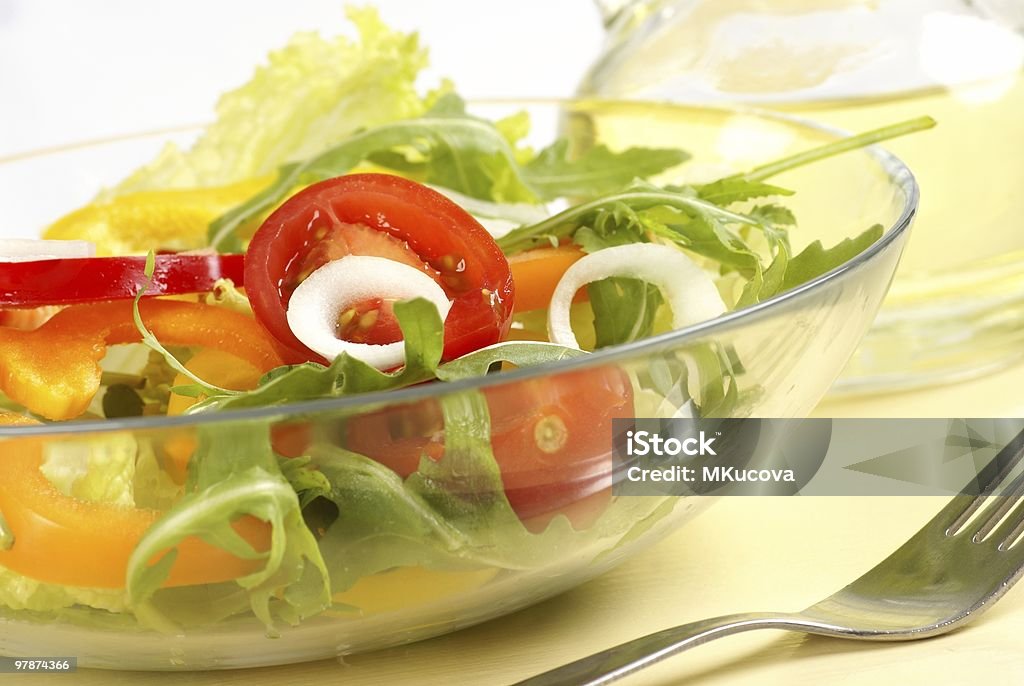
<point x="947" y="574"/>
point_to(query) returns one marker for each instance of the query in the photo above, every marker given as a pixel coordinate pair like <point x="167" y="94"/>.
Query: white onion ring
<point x="688" y="290"/>
<point x="315" y="305"/>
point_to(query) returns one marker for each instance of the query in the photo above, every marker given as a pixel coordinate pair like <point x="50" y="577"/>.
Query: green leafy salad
<point x="336" y="231"/>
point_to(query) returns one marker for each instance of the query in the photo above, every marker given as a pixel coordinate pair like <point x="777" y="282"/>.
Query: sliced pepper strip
<point x="91" y="279"/>
<point x="537" y="272"/>
<point x="54" y="370"/>
<point x="60" y="539"/>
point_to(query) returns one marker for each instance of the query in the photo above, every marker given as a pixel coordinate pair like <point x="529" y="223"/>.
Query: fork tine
<point x="989" y="478"/>
<point x="1005" y="502"/>
<point x="1010" y="530"/>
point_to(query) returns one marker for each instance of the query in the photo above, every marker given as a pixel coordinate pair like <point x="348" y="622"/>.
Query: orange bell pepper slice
<point x="60" y="539"/>
<point x="54" y="370"/>
<point x="537" y="272"/>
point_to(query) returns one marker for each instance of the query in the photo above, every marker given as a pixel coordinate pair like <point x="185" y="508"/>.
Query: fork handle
<point x="624" y="659"/>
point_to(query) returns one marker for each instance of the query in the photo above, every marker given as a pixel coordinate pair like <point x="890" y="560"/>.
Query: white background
<point x="77" y="70"/>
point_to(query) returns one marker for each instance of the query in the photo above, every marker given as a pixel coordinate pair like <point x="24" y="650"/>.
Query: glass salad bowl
<point x="422" y="510"/>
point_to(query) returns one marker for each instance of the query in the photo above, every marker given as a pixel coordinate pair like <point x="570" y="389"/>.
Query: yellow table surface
<point x="742" y="554"/>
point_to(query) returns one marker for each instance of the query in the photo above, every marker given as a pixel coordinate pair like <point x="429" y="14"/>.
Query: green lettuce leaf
<point x="153" y="487"/>
<point x="312" y="93"/>
<point x="96" y="470"/>
<point x="119" y="469"/>
<point x="18" y="592"/>
<point x="234" y="473"/>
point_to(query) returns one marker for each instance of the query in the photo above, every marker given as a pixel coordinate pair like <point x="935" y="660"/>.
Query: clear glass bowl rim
<point x="899" y="174"/>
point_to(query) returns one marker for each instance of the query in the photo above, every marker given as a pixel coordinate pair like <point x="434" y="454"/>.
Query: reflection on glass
<point x="957" y="306"/>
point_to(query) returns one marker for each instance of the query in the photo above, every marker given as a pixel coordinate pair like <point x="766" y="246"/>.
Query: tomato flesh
<point x="330" y="242"/>
<point x="371" y="321"/>
<point x="391" y="217"/>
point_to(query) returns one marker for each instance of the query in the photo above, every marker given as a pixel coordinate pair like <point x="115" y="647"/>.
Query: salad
<point x="336" y="231"/>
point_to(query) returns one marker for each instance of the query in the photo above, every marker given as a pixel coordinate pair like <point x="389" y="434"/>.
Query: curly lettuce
<point x="310" y="94"/>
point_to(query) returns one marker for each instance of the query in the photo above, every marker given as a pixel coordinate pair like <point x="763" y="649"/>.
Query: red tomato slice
<point x="552" y="440"/>
<point x="384" y="216"/>
<point x="89" y="279"/>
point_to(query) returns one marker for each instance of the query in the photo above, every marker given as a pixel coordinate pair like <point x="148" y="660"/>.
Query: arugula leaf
<point x="624" y="310"/>
<point x="590" y="241"/>
<point x="815" y="260"/>
<point x="465" y="486"/>
<point x="597" y="171"/>
<point x="773" y="214"/>
<point x="767" y="283"/>
<point x="706" y="235"/>
<point x="307" y="482"/>
<point x="423" y="333"/>
<point x="699" y="231"/>
<point x="452" y="513"/>
<point x="293" y="383"/>
<point x="861" y="140"/>
<point x="519" y="353"/>
<point x="731" y="190"/>
<point x="717" y="393"/>
<point x="467" y="154"/>
<point x="233" y="474"/>
<point x="636" y="198"/>
<point x="422" y="330"/>
<point x="381" y="524"/>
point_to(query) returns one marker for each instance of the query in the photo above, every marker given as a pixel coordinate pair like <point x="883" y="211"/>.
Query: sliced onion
<point x="35" y="250"/>
<point x="318" y="301"/>
<point x="688" y="290"/>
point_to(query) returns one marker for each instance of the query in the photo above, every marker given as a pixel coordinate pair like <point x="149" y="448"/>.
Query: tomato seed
<point x="346" y="317"/>
<point x="369" y="319"/>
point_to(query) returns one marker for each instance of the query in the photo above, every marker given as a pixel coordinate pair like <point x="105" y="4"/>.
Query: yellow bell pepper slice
<point x="176" y="219"/>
